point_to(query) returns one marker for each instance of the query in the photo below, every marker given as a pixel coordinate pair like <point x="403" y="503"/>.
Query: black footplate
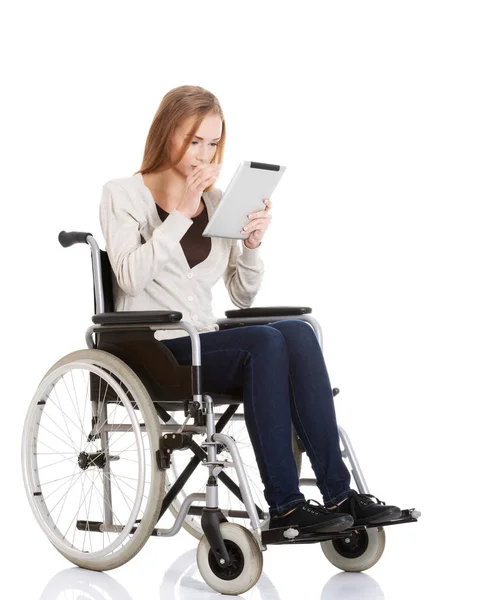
<point x="281" y="535"/>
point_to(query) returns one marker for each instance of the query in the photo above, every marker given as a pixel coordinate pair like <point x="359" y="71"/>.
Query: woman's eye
<point x="195" y="142"/>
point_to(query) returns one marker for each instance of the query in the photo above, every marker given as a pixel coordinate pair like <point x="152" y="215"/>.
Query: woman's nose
<point x="203" y="155"/>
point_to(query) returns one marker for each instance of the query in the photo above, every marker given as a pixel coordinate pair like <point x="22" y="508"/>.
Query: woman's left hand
<point x="257" y="226"/>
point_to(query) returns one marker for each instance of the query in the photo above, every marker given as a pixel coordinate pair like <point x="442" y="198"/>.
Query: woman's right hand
<point x="201" y="177"/>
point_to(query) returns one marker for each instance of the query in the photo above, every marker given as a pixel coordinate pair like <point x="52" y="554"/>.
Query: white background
<point x="375" y="108"/>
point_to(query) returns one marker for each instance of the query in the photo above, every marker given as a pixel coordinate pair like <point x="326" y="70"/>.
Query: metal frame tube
<point x="356" y="470"/>
<point x="164" y="428"/>
<point x="243" y="482"/>
<point x="181" y="515"/>
<point x="106" y="474"/>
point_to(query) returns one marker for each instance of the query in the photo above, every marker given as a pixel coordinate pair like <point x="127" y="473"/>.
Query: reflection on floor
<point x="182" y="581"/>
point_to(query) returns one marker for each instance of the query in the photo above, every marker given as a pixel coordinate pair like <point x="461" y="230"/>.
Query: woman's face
<point x="203" y="145"/>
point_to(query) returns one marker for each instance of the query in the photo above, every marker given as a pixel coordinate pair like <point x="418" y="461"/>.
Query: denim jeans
<point x="281" y="370"/>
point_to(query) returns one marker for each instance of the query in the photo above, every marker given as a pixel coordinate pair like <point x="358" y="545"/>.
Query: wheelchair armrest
<point x="268" y="311"/>
<point x="137" y="317"/>
<point x="259" y="315"/>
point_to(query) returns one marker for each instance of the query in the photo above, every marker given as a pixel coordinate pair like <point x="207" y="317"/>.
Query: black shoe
<point x="308" y="517"/>
<point x="365" y="510"/>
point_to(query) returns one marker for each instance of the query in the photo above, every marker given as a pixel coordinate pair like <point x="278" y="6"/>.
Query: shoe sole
<point x="388" y="515"/>
<point x="329" y="527"/>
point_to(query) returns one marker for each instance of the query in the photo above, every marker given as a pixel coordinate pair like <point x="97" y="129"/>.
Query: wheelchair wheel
<point x="236" y="428"/>
<point x="357" y="551"/>
<point x="89" y="460"/>
<point x="246" y="556"/>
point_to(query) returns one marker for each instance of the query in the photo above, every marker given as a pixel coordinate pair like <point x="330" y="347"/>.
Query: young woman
<point x="153" y="223"/>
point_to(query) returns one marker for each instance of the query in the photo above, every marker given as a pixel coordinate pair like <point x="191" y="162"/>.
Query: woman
<point x="153" y="223"/>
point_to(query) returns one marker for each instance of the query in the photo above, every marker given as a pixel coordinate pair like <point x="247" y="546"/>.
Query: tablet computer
<point x="252" y="182"/>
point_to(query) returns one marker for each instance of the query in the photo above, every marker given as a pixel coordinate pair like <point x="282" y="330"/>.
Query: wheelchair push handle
<point x="69" y="238"/>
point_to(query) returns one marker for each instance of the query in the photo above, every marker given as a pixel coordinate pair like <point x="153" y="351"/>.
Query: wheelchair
<point x="120" y="432"/>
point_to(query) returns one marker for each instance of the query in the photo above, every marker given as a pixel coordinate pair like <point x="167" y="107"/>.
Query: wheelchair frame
<point x="201" y="408"/>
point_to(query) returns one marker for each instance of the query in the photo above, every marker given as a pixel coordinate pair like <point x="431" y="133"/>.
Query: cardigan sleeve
<point x="243" y="275"/>
<point x="134" y="263"/>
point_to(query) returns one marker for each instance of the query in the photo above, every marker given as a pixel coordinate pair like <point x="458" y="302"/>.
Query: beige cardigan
<point x="155" y="275"/>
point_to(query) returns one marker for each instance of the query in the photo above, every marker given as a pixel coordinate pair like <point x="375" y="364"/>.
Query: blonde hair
<point x="176" y="106"/>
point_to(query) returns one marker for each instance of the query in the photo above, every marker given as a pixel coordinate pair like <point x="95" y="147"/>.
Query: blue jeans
<point x="282" y="374"/>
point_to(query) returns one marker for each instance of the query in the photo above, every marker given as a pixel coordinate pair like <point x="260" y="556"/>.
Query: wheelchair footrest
<point x="408" y="516"/>
<point x="281" y="535"/>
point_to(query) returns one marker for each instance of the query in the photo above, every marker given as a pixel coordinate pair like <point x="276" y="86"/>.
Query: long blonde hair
<point x="176" y="106"/>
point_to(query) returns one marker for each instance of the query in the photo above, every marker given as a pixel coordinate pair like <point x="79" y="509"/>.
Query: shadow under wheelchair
<point x="119" y="433"/>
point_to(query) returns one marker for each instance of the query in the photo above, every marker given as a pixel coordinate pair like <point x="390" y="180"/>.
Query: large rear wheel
<point x="88" y="458"/>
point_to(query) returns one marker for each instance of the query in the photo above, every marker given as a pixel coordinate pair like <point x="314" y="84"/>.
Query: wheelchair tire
<point x="125" y="397"/>
<point x="227" y="500"/>
<point x="247" y="561"/>
<point x="358" y="551"/>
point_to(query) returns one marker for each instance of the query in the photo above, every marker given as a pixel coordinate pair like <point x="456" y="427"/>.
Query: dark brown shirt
<point x="196" y="248"/>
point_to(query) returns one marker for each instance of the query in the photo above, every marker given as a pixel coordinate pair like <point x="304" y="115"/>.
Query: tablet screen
<point x="250" y="185"/>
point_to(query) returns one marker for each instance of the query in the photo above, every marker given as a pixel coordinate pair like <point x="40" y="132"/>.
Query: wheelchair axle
<point x="93" y="459"/>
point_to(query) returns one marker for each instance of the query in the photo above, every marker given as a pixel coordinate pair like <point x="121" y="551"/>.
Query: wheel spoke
<point x="114" y="514"/>
<point x="63" y="504"/>
<point x="54" y="463"/>
<point x="54" y="452"/>
<point x="45" y="414"/>
<point x="75" y="406"/>
<point x="101" y="512"/>
<point x="80" y="506"/>
<point x="63" y="441"/>
<point x="68" y="490"/>
<point x="114" y="481"/>
<point x="64" y="415"/>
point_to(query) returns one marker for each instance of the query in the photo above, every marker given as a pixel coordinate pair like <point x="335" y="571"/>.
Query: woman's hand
<point x="257" y="226"/>
<point x="196" y="182"/>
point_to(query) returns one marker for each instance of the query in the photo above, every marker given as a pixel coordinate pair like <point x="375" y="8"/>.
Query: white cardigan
<point x="155" y="275"/>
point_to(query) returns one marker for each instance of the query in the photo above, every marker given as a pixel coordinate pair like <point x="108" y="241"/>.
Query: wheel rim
<point x="66" y="474"/>
<point x="352" y="546"/>
<point x="237" y="562"/>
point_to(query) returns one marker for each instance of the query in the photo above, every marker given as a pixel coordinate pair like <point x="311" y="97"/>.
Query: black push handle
<point x="69" y="238"/>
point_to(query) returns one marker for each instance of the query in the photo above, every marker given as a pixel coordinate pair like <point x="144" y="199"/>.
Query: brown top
<point x="196" y="248"/>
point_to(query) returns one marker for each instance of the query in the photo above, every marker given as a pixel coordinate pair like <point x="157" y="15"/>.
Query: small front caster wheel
<point x="246" y="557"/>
<point x="356" y="551"/>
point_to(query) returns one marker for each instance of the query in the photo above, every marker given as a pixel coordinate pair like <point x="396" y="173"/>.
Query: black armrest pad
<point x="268" y="311"/>
<point x="137" y="317"/>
